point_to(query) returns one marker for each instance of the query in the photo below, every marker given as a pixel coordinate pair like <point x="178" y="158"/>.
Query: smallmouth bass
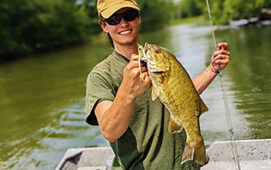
<point x="174" y="87"/>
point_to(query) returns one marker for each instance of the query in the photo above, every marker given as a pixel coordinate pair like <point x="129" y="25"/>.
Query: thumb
<point x="134" y="57"/>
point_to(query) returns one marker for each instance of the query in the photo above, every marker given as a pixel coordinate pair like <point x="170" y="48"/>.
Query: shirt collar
<point x="118" y="55"/>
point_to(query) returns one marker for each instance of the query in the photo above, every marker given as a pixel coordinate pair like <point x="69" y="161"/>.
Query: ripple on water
<point x="68" y="130"/>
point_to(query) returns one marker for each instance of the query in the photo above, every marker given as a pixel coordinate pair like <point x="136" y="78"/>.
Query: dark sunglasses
<point x="127" y="16"/>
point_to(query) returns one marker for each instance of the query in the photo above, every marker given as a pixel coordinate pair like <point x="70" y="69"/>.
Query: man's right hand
<point x="113" y="118"/>
<point x="133" y="83"/>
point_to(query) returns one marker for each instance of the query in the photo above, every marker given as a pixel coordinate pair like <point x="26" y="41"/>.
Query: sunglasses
<point x="127" y="16"/>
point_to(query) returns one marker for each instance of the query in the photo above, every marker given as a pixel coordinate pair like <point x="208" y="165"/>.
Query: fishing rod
<point x="227" y="111"/>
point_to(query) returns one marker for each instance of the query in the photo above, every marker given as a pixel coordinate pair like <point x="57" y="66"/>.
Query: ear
<point x="104" y="26"/>
<point x="139" y="19"/>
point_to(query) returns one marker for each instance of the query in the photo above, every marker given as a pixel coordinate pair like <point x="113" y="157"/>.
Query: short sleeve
<point x="98" y="89"/>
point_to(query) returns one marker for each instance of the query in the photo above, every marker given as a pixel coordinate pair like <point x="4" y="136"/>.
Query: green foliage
<point x="155" y="13"/>
<point x="91" y="9"/>
<point x="223" y="11"/>
<point x="236" y="9"/>
<point x="188" y="20"/>
<point x="29" y="25"/>
<point x="189" y="8"/>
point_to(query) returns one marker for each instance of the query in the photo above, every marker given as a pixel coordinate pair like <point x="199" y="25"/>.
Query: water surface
<point x="42" y="96"/>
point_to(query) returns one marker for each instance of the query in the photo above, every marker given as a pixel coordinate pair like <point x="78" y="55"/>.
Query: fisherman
<point x="119" y="100"/>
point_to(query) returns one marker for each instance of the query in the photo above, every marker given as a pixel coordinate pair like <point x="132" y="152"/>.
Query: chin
<point x="127" y="41"/>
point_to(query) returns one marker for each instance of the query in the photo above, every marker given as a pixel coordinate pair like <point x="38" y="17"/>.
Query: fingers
<point x="133" y="69"/>
<point x="222" y="61"/>
<point x="146" y="78"/>
<point x="222" y="46"/>
<point x="134" y="64"/>
<point x="135" y="78"/>
<point x="223" y="52"/>
<point x="134" y="57"/>
<point x="220" y="57"/>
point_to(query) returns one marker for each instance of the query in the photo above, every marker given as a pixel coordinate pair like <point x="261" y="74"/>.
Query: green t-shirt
<point x="146" y="144"/>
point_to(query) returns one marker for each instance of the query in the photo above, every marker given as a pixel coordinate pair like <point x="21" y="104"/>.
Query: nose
<point x="123" y="22"/>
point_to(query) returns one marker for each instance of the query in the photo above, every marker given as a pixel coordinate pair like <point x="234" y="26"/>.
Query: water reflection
<point x="251" y="76"/>
<point x="35" y="94"/>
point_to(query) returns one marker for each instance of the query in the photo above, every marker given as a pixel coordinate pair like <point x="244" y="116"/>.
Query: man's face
<point x="124" y="33"/>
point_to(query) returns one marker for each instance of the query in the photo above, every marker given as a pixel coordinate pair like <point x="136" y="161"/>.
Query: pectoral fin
<point x="154" y="94"/>
<point x="174" y="126"/>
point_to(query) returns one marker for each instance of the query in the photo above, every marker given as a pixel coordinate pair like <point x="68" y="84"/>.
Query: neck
<point x="126" y="50"/>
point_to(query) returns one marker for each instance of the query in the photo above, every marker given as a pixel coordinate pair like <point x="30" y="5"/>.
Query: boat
<point x="253" y="155"/>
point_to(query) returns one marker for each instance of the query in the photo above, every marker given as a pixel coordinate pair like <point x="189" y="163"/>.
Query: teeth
<point x="125" y="32"/>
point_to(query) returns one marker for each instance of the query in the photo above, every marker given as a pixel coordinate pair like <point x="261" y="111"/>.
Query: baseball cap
<point x="106" y="8"/>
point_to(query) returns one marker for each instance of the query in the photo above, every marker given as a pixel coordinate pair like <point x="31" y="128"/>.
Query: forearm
<point x="202" y="81"/>
<point x="115" y="120"/>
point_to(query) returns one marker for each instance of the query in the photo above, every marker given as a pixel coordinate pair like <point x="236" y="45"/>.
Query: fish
<point x="175" y="89"/>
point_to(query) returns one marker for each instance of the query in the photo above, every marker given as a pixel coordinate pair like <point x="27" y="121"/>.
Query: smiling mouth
<point x="125" y="32"/>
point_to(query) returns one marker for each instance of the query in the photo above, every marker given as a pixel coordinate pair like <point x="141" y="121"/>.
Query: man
<point x="119" y="101"/>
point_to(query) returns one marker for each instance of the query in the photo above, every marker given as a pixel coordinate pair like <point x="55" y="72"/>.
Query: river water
<point x="42" y="96"/>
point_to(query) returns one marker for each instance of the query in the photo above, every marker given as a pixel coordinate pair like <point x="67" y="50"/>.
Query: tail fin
<point x="196" y="153"/>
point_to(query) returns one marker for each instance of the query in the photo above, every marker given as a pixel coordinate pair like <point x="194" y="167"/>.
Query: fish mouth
<point x="157" y="72"/>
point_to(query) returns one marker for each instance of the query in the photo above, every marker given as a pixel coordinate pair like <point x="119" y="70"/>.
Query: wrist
<point x="125" y="93"/>
<point x="213" y="70"/>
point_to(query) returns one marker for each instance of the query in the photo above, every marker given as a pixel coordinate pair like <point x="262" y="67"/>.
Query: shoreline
<point x="101" y="37"/>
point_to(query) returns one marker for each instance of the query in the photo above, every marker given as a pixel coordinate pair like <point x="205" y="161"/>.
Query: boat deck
<point x="253" y="155"/>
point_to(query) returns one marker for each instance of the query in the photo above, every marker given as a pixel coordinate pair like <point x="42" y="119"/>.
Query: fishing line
<point x="227" y="111"/>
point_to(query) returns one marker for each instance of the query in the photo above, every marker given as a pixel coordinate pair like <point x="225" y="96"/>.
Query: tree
<point x="189" y="8"/>
<point x="155" y="14"/>
<point x="31" y="25"/>
<point x="223" y="11"/>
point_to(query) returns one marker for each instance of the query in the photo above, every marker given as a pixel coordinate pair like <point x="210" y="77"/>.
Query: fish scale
<point x="174" y="87"/>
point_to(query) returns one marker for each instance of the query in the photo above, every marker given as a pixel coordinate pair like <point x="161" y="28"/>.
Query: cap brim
<point x="114" y="8"/>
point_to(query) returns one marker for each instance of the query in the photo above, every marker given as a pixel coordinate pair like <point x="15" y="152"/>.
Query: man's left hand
<point x="220" y="57"/>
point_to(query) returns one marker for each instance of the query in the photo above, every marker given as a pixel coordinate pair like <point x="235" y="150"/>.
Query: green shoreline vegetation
<point x="188" y="20"/>
<point x="31" y="26"/>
